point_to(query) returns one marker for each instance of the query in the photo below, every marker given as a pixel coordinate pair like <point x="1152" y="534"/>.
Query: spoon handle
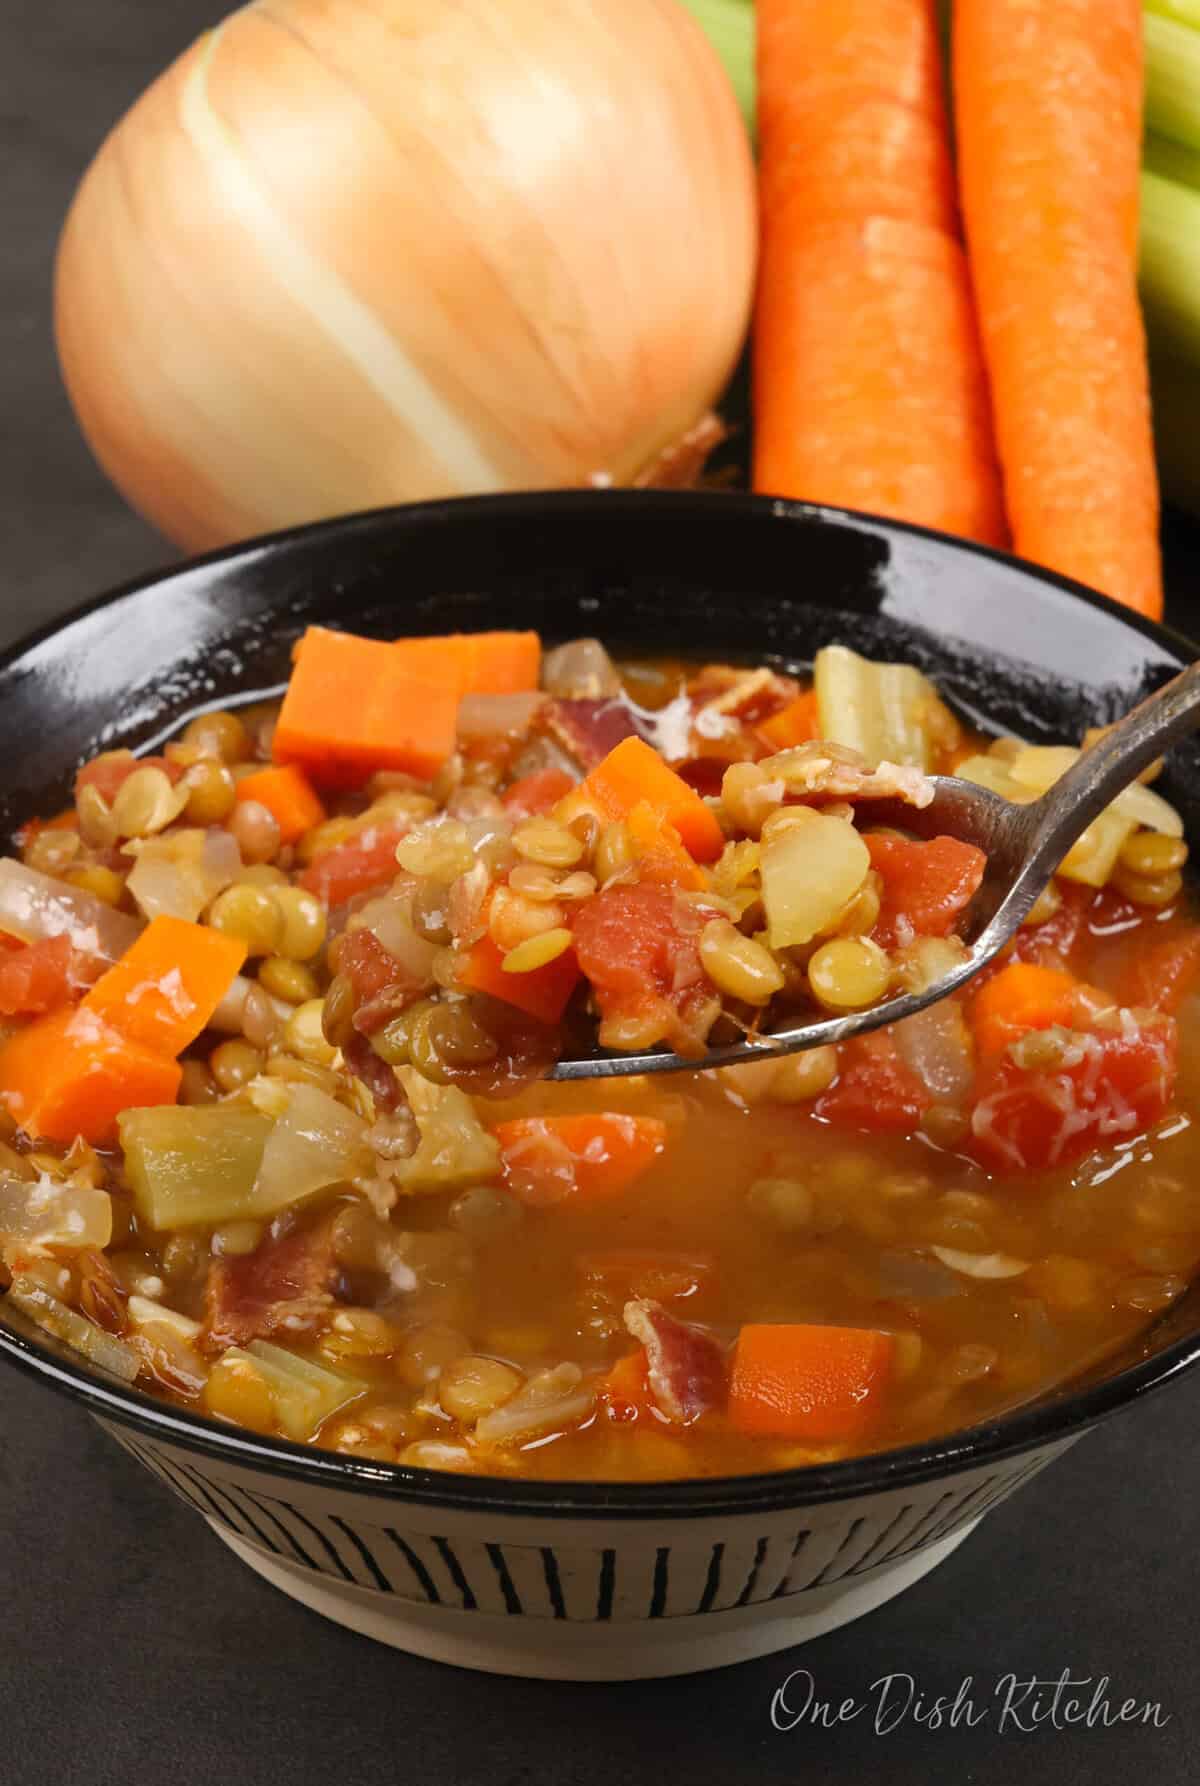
<point x="1112" y="763"/>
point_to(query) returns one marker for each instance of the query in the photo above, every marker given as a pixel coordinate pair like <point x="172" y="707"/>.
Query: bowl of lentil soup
<point x="583" y="1381"/>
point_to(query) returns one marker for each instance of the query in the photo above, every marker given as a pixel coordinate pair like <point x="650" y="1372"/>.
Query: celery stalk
<point x="729" y="27"/>
<point x="1172" y="79"/>
<point x="1186" y="11"/>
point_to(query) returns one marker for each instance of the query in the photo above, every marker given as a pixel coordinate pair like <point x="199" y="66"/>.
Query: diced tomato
<point x="926" y="886"/>
<point x="537" y="793"/>
<point x="549" y="1158"/>
<point x="1162" y="972"/>
<point x="362" y="862"/>
<point x="874" y="1089"/>
<point x="109" y="772"/>
<point x="638" y="947"/>
<point x="38" y="977"/>
<point x="1112" y="1085"/>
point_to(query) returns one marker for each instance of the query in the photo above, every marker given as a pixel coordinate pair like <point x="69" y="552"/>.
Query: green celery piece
<point x="194" y="1165"/>
<point x="729" y="27"/>
<point x="303" y="1394"/>
<point x="1172" y="79"/>
<point x="1187" y="12"/>
<point x="1169" y="270"/>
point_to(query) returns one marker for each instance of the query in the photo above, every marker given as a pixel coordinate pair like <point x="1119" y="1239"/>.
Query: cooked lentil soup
<point x="278" y="1004"/>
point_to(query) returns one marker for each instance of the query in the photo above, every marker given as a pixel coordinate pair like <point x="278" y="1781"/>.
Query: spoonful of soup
<point x="986" y="853"/>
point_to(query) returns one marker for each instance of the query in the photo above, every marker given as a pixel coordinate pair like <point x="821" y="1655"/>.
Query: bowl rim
<point x="1023" y="1429"/>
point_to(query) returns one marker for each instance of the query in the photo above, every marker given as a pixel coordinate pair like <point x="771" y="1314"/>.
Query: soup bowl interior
<point x="708" y="576"/>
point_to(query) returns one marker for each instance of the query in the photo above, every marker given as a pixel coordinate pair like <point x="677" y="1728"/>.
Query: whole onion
<point x="352" y="252"/>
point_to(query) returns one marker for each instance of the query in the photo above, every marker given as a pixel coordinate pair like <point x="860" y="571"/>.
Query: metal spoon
<point x="1023" y="845"/>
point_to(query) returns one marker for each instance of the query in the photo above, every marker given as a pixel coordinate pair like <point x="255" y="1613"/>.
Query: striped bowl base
<point x="497" y="1644"/>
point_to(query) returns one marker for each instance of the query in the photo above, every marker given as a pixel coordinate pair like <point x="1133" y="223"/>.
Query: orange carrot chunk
<point x="480" y="663"/>
<point x="625" y="1392"/>
<point x="69" y="1074"/>
<point x="661" y="857"/>
<point x="354" y="706"/>
<point x="549" y="1158"/>
<point x="165" y="988"/>
<point x="818" y="1384"/>
<point x="288" y="796"/>
<point x="543" y="992"/>
<point x="634" y="772"/>
<point x="794" y="724"/>
<point x="1048" y="113"/>
<point x="1019" y="998"/>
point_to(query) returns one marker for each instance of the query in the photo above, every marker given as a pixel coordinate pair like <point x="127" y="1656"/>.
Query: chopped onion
<point x="1039" y="766"/>
<point x="936" y="1046"/>
<point x="74" y="1329"/>
<point x="498" y="716"/>
<point x="809" y="872"/>
<point x="178" y="875"/>
<point x="981" y="1265"/>
<point x="316" y="1142"/>
<point x="455" y="1149"/>
<point x="580" y="670"/>
<point x="34" y="906"/>
<point x="48" y="1214"/>
<point x="550" y="1399"/>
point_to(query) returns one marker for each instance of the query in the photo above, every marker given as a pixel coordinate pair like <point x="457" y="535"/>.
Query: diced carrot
<point x="37" y="977"/>
<point x="544" y="992"/>
<point x="355" y="705"/>
<point x="625" y="1390"/>
<point x="1019" y="998"/>
<point x="69" y="1074"/>
<point x="165" y="988"/>
<point x="661" y="857"/>
<point x="548" y="1158"/>
<point x="794" y="724"/>
<point x="479" y="663"/>
<point x="109" y="772"/>
<point x="362" y="862"/>
<point x="288" y="796"/>
<point x="818" y="1384"/>
<point x="633" y="772"/>
<point x="537" y="793"/>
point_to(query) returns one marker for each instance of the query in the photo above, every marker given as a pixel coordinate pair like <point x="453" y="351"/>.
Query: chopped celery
<point x="302" y="1394"/>
<point x="1172" y="78"/>
<point x="455" y="1149"/>
<point x="47" y="1214"/>
<point x="189" y="1165"/>
<point x="809" y="872"/>
<point x="888" y="712"/>
<point x="1169" y="273"/>
<point x="729" y="27"/>
<point x="74" y="1329"/>
<point x="1093" y="857"/>
<point x="1039" y="766"/>
<point x="144" y="1312"/>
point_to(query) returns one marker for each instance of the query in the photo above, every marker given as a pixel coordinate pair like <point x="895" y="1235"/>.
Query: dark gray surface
<point x="137" y="1649"/>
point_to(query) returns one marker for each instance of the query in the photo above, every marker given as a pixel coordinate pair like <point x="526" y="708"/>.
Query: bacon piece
<point x="286" y="1284"/>
<point x="831" y="771"/>
<point x="685" y="1368"/>
<point x="587" y="730"/>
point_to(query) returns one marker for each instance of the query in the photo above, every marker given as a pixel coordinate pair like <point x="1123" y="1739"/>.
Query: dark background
<point x="133" y="1647"/>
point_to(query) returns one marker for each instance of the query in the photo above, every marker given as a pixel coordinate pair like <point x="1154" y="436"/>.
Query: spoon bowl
<point x="1024" y="844"/>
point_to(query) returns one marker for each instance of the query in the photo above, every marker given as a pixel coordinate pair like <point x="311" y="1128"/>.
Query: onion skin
<point x="346" y="253"/>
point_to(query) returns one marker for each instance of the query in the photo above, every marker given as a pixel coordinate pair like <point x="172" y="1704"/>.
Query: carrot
<point x="167" y="985"/>
<point x="362" y="862"/>
<point x="1019" y="998"/>
<point x="660" y="853"/>
<point x="818" y="1384"/>
<point x="538" y="793"/>
<point x="625" y="1391"/>
<point x="1048" y="112"/>
<point x="543" y="992"/>
<point x="69" y="1074"/>
<point x="634" y="772"/>
<point x="869" y="388"/>
<point x="794" y="724"/>
<point x="288" y="796"/>
<point x="851" y="117"/>
<point x="354" y="706"/>
<point x="478" y="663"/>
<point x="547" y="1158"/>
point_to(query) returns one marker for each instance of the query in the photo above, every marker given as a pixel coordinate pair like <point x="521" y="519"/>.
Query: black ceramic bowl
<point x="573" y="1579"/>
